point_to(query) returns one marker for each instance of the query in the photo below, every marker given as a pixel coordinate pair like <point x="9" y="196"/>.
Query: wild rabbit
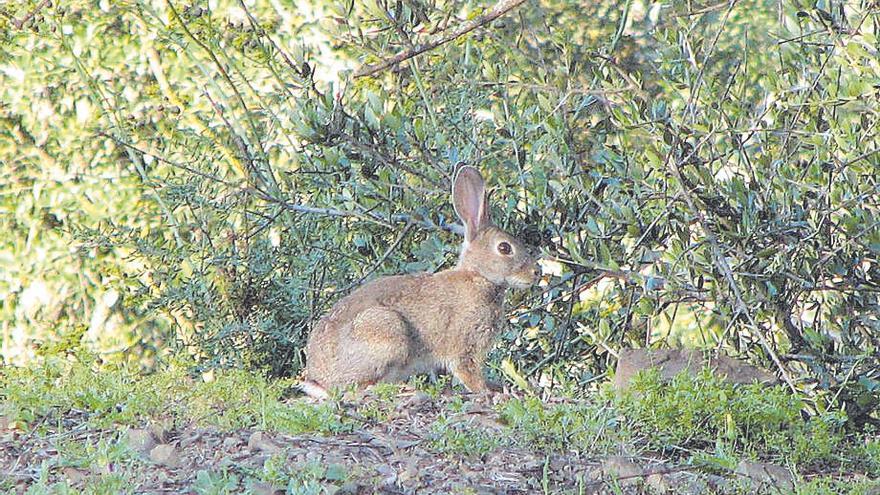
<point x="398" y="326"/>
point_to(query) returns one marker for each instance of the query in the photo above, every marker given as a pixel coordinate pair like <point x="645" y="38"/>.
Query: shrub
<point x="700" y="411"/>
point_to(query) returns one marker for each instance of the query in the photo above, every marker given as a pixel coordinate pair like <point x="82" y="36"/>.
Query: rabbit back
<point x="398" y="326"/>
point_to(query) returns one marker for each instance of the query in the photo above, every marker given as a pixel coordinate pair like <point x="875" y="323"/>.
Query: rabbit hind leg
<point x="377" y="347"/>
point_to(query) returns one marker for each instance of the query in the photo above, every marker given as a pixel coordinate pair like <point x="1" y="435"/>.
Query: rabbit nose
<point x="536" y="271"/>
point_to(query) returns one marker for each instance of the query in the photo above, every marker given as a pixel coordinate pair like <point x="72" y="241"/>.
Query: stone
<point x="261" y="441"/>
<point x="140" y="440"/>
<point x="262" y="488"/>
<point x="417" y="400"/>
<point x="166" y="455"/>
<point x="620" y="468"/>
<point x="673" y="361"/>
<point x="659" y="483"/>
<point x="679" y="482"/>
<point x="766" y="475"/>
<point x="74" y="475"/>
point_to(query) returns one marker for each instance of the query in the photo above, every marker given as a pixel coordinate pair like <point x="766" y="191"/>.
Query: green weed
<point x="830" y="486"/>
<point x="215" y="483"/>
<point x="449" y="436"/>
<point x="561" y="426"/>
<point x="431" y="387"/>
<point x="114" y="396"/>
<point x="700" y="411"/>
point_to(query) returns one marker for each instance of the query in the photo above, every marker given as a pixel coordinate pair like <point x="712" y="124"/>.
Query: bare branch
<point x="721" y="263"/>
<point x="30" y="15"/>
<point x="424" y="223"/>
<point x="500" y="8"/>
<point x="393" y="247"/>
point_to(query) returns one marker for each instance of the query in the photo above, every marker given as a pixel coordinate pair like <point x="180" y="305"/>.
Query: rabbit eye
<point x="504" y="248"/>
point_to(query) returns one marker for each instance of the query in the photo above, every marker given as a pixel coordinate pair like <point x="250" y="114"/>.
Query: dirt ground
<point x="392" y="455"/>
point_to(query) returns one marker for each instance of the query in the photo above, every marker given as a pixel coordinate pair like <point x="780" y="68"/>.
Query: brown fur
<point x="394" y="327"/>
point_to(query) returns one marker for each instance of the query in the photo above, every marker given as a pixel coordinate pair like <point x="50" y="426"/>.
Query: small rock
<point x="766" y="475"/>
<point x="166" y="455"/>
<point x="261" y="441"/>
<point x="417" y="400"/>
<point x="140" y="440"/>
<point x="230" y="442"/>
<point x="622" y="469"/>
<point x="261" y="488"/>
<point x="74" y="475"/>
<point x="659" y="483"/>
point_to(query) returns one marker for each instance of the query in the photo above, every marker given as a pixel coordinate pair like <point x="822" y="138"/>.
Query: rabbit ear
<point x="469" y="199"/>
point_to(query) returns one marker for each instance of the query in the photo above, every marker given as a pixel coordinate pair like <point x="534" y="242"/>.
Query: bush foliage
<point x="213" y="174"/>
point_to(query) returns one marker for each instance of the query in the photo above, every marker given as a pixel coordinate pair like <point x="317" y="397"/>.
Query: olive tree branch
<point x="370" y="216"/>
<point x="724" y="267"/>
<point x="500" y="8"/>
<point x="30" y="15"/>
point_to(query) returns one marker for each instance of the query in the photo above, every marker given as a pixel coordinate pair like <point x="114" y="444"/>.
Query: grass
<point x="310" y="478"/>
<point x="698" y="421"/>
<point x="588" y="427"/>
<point x="86" y="408"/>
<point x="105" y="485"/>
<point x="451" y="436"/>
<point x="108" y="397"/>
<point x="701" y="411"/>
<point x="831" y="486"/>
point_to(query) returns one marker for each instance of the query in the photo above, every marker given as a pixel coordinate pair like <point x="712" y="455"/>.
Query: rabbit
<point x="398" y="326"/>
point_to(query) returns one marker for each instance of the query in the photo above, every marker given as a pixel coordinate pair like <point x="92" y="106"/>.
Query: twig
<point x="863" y="156"/>
<point x="156" y="157"/>
<point x="422" y="222"/>
<point x="236" y="139"/>
<point x="30" y="15"/>
<point x="695" y="91"/>
<point x="724" y="268"/>
<point x="393" y="247"/>
<point x="547" y="88"/>
<point x="223" y="73"/>
<point x="500" y="8"/>
<point x="18" y="130"/>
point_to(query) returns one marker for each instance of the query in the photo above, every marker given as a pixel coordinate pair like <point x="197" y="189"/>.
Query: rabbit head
<point x="493" y="253"/>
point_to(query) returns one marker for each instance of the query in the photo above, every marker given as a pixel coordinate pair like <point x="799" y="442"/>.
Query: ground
<point x="68" y="428"/>
<point x="397" y="450"/>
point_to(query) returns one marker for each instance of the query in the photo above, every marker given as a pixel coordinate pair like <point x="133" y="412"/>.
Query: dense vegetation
<point x="210" y="177"/>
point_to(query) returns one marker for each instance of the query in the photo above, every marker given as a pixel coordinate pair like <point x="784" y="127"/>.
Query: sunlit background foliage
<point x="209" y="177"/>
